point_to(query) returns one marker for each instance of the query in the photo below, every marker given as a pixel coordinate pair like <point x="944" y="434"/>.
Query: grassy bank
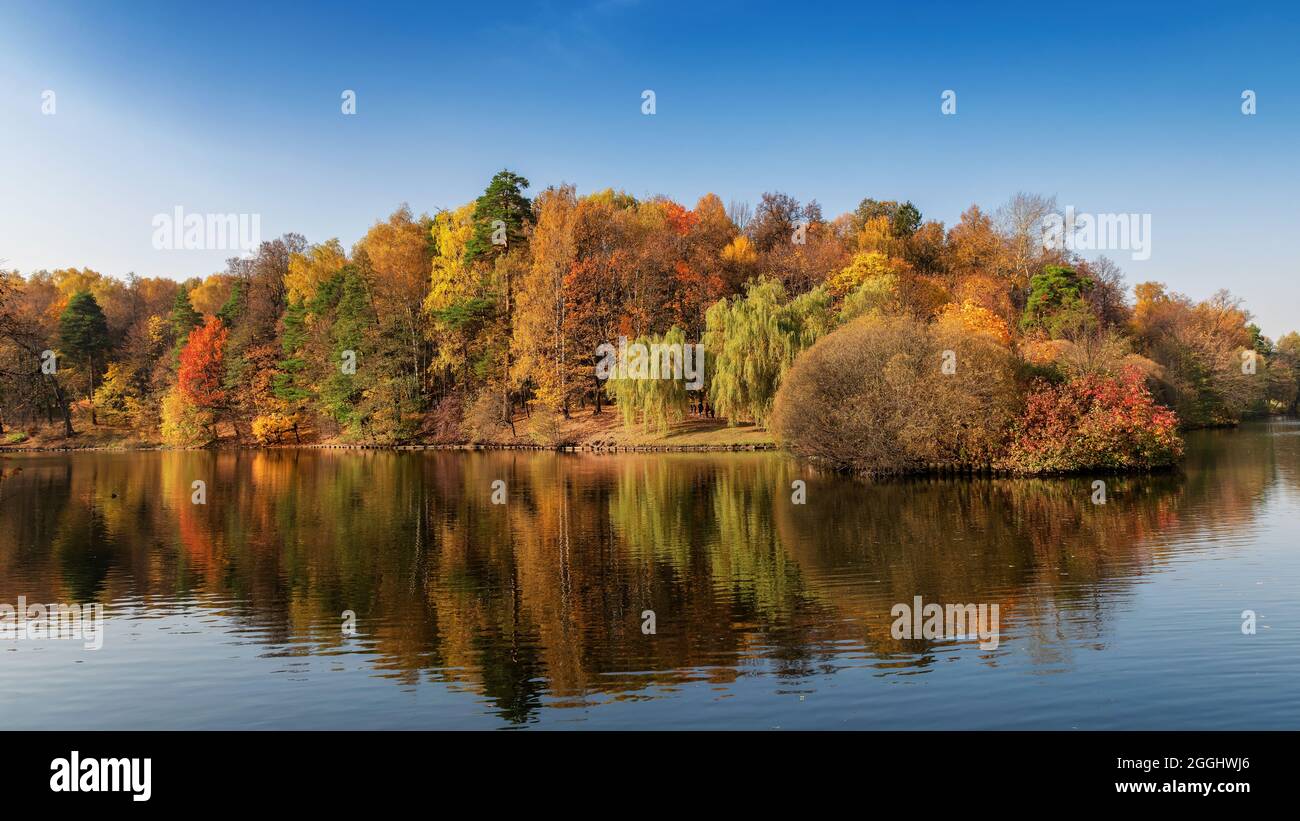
<point x="583" y="431"/>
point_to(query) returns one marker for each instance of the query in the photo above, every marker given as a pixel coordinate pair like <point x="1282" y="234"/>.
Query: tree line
<point x="457" y="325"/>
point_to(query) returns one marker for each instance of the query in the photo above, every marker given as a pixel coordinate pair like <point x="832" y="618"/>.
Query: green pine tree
<point x="503" y="200"/>
<point x="83" y="334"/>
<point x="184" y="318"/>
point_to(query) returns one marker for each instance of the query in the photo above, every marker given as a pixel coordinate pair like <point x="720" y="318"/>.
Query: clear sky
<point x="231" y="108"/>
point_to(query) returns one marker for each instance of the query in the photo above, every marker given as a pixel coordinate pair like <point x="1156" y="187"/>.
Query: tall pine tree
<point x="83" y="333"/>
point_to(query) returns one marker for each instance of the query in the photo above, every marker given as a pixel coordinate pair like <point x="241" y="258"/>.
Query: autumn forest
<point x="877" y="341"/>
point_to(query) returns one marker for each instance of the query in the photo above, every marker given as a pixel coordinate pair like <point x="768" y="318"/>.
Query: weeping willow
<point x="651" y="391"/>
<point x="752" y="340"/>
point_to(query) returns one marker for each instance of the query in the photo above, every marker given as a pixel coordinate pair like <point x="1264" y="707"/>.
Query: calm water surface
<point x="528" y="614"/>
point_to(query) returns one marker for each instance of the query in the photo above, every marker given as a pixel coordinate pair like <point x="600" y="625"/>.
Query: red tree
<point x="203" y="364"/>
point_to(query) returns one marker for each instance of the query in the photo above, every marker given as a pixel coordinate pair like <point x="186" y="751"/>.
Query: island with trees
<point x="876" y="342"/>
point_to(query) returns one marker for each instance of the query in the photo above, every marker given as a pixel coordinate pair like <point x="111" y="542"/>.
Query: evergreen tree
<point x="1056" y="301"/>
<point x="346" y="299"/>
<point x="184" y="318"/>
<point x="83" y="333"/>
<point x="503" y="200"/>
<point x="230" y="312"/>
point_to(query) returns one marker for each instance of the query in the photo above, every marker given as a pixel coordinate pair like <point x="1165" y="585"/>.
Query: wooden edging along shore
<point x="573" y="448"/>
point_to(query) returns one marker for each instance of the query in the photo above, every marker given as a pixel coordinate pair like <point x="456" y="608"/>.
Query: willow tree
<point x="752" y="340"/>
<point x="646" y="386"/>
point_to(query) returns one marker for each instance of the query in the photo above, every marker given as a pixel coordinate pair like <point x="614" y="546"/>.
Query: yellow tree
<point x="865" y="266"/>
<point x="450" y="279"/>
<point x="309" y="269"/>
<point x="454" y="300"/>
<point x="210" y="295"/>
<point x="975" y="248"/>
<point x="739" y="263"/>
<point x="397" y="251"/>
<point x="974" y="318"/>
<point x="542" y="351"/>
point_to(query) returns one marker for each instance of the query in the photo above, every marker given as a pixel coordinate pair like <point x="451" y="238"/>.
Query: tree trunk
<point x="62" y="401"/>
<point x="90" y="367"/>
<point x="510" y="330"/>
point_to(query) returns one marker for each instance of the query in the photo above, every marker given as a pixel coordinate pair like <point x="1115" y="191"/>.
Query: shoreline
<point x="566" y="448"/>
<point x="600" y="446"/>
<point x="931" y="471"/>
<point x="581" y="432"/>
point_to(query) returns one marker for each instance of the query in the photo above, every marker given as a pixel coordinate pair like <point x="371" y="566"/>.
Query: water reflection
<point x="536" y="604"/>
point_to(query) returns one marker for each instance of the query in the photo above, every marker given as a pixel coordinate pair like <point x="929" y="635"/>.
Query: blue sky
<point x="1111" y="108"/>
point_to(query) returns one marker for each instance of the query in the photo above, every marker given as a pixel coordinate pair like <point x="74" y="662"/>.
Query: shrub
<point x="545" y="429"/>
<point x="482" y="418"/>
<point x="272" y="428"/>
<point x="873" y="398"/>
<point x="1093" y="421"/>
<point x="977" y="318"/>
<point x="444" y="422"/>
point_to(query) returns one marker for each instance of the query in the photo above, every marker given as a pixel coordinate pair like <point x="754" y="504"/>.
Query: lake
<point x="530" y="612"/>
